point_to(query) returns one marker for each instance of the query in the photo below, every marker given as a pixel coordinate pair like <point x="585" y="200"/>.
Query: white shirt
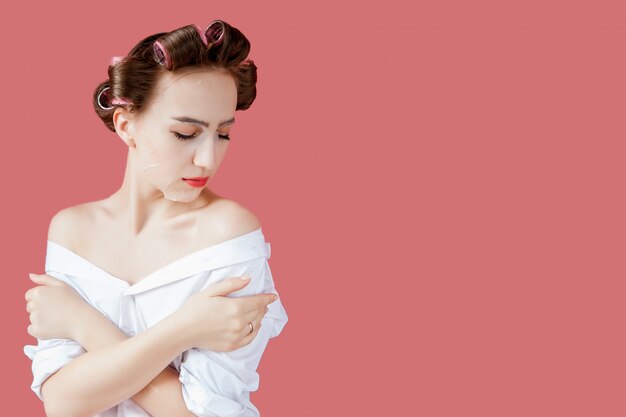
<point x="213" y="383"/>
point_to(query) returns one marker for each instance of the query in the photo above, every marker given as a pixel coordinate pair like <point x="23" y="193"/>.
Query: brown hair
<point x="134" y="76"/>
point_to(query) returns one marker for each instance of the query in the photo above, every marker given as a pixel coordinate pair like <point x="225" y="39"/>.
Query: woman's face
<point x="182" y="132"/>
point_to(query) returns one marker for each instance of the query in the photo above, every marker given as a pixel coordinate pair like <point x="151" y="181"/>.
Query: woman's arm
<point x="162" y="397"/>
<point x="115" y="367"/>
<point x="118" y="369"/>
<point x="208" y="319"/>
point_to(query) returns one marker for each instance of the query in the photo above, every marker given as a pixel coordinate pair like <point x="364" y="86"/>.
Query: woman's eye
<point x="183" y="137"/>
<point x="188" y="137"/>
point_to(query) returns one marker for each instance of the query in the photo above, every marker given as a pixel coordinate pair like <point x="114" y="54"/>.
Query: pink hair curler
<point x="215" y="32"/>
<point x="201" y="34"/>
<point x="115" y="60"/>
<point x="121" y="101"/>
<point x="104" y="101"/>
<point x="161" y="55"/>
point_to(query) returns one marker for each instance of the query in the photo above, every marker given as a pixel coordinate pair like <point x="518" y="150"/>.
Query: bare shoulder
<point x="65" y="224"/>
<point x="229" y="219"/>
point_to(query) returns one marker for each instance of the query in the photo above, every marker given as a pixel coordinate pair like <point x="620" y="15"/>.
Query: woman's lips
<point x="197" y="181"/>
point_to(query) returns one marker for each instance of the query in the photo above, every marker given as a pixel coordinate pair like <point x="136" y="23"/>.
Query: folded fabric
<point x="213" y="383"/>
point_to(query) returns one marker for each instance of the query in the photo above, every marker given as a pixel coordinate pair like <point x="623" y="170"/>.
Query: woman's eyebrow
<point x="200" y="122"/>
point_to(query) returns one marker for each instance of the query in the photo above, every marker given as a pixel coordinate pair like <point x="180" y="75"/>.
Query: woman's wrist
<point x="182" y="336"/>
<point x="94" y="330"/>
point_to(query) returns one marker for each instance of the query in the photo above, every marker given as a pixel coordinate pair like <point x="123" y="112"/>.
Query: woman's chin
<point x="182" y="197"/>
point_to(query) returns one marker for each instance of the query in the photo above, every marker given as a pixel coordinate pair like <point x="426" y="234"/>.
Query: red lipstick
<point x="197" y="181"/>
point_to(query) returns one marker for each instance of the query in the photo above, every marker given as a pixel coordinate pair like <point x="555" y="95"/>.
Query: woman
<point x="136" y="314"/>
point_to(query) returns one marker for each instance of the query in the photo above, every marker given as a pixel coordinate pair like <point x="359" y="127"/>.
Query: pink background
<point x="442" y="184"/>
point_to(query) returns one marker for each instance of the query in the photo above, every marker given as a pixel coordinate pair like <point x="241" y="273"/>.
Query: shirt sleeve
<point x="219" y="383"/>
<point x="49" y="356"/>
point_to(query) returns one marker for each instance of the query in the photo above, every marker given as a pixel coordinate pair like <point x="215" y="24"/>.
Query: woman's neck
<point x="142" y="205"/>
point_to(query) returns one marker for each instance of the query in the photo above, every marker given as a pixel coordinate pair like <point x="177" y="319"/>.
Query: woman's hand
<point x="55" y="308"/>
<point x="212" y="321"/>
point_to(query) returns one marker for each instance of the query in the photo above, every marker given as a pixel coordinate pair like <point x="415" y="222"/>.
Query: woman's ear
<point x="124" y="125"/>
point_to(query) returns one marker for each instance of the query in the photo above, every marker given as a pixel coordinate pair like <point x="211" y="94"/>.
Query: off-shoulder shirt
<point x="213" y="383"/>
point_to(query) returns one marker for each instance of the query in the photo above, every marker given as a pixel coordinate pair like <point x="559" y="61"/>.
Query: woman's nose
<point x="205" y="154"/>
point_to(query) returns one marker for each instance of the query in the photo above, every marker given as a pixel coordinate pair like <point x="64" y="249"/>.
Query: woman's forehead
<point x="190" y="80"/>
<point x="200" y="92"/>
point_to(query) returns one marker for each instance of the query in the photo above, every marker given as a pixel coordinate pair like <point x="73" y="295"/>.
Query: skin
<point x="152" y="202"/>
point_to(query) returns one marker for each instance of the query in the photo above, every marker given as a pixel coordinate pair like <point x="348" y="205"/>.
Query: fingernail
<point x="245" y="278"/>
<point x="31" y="275"/>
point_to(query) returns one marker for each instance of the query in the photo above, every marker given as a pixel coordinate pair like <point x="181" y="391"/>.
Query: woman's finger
<point x="256" y="324"/>
<point x="251" y="316"/>
<point x="256" y="301"/>
<point x="28" y="295"/>
<point x="256" y="320"/>
<point x="225" y="287"/>
<point x="46" y="279"/>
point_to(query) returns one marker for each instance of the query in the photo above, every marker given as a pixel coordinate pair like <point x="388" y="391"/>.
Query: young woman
<point x="142" y="311"/>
